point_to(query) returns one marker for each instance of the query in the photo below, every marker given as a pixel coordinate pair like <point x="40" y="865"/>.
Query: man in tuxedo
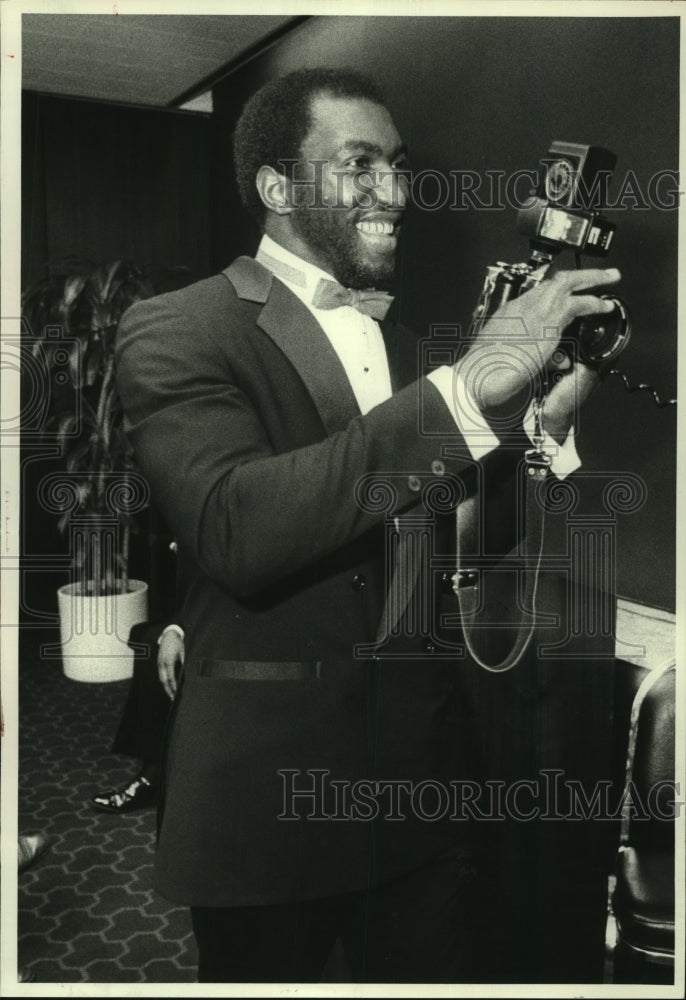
<point x="287" y="436"/>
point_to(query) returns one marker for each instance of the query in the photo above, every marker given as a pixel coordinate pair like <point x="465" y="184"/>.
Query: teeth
<point x="376" y="228"/>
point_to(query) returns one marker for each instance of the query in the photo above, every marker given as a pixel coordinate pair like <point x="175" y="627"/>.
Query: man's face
<point x="348" y="220"/>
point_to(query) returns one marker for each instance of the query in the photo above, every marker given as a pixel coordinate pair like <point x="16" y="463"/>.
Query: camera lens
<point x="603" y="338"/>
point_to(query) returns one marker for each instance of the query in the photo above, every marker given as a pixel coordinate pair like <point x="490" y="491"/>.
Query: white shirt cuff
<point x="468" y="418"/>
<point x="565" y="458"/>
<point x="171" y="628"/>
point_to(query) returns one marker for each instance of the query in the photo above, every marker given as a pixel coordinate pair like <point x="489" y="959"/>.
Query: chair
<point x="643" y="899"/>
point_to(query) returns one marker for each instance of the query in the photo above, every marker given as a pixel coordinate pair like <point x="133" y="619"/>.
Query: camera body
<point x="564" y="213"/>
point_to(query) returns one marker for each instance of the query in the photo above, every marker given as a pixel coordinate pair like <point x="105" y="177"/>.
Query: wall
<point x="104" y="182"/>
<point x="482" y="94"/>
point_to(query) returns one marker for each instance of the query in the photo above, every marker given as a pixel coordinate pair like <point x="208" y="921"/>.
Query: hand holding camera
<point x="521" y="338"/>
<point x="520" y="318"/>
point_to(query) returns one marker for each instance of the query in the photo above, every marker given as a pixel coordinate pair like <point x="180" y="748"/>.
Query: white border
<point x="10" y="235"/>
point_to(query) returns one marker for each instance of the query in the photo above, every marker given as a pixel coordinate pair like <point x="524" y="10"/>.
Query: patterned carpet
<point x="87" y="909"/>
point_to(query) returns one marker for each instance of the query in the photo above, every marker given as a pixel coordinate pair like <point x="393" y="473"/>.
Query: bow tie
<point x="331" y="295"/>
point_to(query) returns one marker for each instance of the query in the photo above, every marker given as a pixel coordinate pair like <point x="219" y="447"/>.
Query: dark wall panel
<point x="489" y="94"/>
<point x="105" y="182"/>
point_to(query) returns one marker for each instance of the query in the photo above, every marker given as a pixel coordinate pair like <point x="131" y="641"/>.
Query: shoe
<point x="30" y="846"/>
<point x="139" y="794"/>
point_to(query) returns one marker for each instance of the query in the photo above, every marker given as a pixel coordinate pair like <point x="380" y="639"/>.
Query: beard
<point x="340" y="249"/>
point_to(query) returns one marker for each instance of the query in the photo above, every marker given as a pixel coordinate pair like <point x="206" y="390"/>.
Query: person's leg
<point x="141" y="729"/>
<point x="30" y="846"/>
<point x="140" y="793"/>
<point x="271" y="944"/>
<point x="420" y="928"/>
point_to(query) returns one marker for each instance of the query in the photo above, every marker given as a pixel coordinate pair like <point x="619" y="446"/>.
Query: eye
<point x="359" y="163"/>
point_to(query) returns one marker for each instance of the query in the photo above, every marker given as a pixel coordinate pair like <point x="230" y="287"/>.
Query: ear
<point x="274" y="190"/>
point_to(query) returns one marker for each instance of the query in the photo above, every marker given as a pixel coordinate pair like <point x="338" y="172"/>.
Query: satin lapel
<point x="295" y="331"/>
<point x="401" y="351"/>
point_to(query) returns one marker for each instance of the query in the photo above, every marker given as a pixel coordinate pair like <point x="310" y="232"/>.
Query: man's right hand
<point x="518" y="341"/>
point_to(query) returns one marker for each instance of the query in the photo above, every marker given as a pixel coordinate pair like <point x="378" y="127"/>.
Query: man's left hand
<point x="570" y="386"/>
<point x="170" y="660"/>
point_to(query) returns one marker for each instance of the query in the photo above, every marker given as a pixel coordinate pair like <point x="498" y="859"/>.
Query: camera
<point x="563" y="213"/>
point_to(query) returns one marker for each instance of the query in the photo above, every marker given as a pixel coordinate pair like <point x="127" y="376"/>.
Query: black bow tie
<point x="331" y="295"/>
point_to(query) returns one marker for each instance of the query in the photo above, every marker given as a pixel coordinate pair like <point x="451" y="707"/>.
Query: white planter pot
<point x="95" y="630"/>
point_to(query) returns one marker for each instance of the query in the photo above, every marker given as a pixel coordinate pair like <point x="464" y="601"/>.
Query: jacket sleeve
<point x="247" y="516"/>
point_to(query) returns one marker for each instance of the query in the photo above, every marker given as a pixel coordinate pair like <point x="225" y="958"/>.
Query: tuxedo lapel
<point x="401" y="351"/>
<point x="295" y="331"/>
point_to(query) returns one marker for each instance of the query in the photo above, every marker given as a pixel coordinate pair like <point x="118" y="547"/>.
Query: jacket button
<point x="359" y="582"/>
<point x="414" y="483"/>
<point x="438" y="467"/>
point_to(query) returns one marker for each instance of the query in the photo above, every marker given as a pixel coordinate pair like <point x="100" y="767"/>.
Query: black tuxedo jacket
<point x="244" y="422"/>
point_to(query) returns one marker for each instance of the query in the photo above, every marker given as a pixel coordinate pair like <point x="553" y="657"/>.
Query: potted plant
<point x="73" y="318"/>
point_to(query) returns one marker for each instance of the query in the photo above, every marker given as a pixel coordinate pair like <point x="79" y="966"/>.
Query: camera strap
<point x="469" y="584"/>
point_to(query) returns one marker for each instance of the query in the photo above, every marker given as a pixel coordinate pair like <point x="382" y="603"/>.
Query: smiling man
<point x="275" y="411"/>
<point x="349" y="212"/>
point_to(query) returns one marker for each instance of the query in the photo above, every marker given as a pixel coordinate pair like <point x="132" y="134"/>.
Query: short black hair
<point x="275" y="121"/>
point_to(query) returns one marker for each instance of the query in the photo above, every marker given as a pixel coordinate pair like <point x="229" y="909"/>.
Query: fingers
<point x="170" y="656"/>
<point x="568" y="300"/>
<point x="522" y="337"/>
<point x="559" y="360"/>
<point x="588" y="277"/>
<point x="590" y="305"/>
<point x="167" y="674"/>
<point x="568" y="391"/>
<point x="167" y="678"/>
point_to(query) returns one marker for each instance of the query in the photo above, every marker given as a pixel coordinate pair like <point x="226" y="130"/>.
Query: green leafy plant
<point x="73" y="318"/>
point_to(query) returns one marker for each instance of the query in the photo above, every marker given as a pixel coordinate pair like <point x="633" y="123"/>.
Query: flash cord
<point x="628" y="384"/>
<point x="642" y="386"/>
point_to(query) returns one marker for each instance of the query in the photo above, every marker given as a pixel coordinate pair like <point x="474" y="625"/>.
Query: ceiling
<point x="159" y="60"/>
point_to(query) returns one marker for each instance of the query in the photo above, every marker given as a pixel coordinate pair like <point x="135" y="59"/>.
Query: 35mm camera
<point x="564" y="213"/>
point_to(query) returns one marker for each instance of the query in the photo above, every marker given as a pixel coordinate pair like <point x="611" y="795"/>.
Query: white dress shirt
<point x="357" y="340"/>
<point x="355" y="337"/>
